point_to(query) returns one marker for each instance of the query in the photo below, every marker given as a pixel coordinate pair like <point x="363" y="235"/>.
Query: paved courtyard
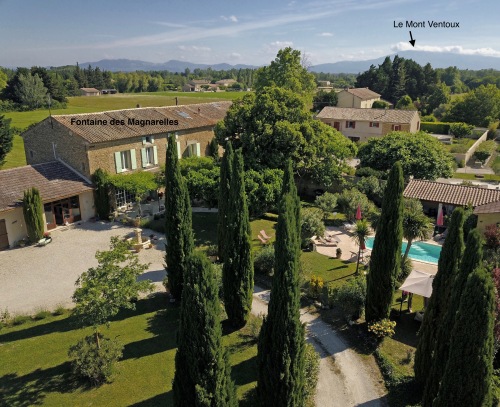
<point x="44" y="277"/>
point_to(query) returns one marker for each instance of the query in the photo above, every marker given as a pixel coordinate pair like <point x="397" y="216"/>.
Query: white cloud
<point x="275" y="46"/>
<point x="194" y="48"/>
<point x="234" y="19"/>
<point x="326" y="35"/>
<point x="454" y="49"/>
<point x="234" y="55"/>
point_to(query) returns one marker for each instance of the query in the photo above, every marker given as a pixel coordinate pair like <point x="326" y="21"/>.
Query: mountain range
<point x="436" y="59"/>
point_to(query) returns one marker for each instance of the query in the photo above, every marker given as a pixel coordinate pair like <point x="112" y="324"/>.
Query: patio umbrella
<point x="358" y="213"/>
<point x="419" y="283"/>
<point x="440" y="220"/>
<point x="362" y="245"/>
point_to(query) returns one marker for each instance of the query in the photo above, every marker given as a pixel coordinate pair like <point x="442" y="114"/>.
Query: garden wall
<point x="466" y="156"/>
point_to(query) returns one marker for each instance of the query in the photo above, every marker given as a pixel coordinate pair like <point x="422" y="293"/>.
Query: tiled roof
<point x="89" y="89"/>
<point x="363" y="93"/>
<point x="369" y="115"/>
<point x="188" y="117"/>
<point x="450" y="194"/>
<point x="54" y="181"/>
<point x="492" y="207"/>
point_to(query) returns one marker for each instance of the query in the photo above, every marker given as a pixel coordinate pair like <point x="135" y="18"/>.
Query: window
<point x="123" y="198"/>
<point x="396" y="127"/>
<point x="354" y="139"/>
<point x="149" y="156"/>
<point x="194" y="150"/>
<point x="374" y="124"/>
<point x="350" y="125"/>
<point x="125" y="160"/>
<point x="148" y="140"/>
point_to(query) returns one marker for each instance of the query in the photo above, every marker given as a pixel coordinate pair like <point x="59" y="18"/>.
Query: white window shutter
<point x="155" y="155"/>
<point x="118" y="162"/>
<point x="144" y="140"/>
<point x="198" y="150"/>
<point x="179" y="153"/>
<point x="133" y="161"/>
<point x="143" y="157"/>
<point x="152" y="139"/>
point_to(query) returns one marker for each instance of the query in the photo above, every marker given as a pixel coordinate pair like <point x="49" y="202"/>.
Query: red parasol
<point x="362" y="245"/>
<point x="358" y="213"/>
<point x="440" y="220"/>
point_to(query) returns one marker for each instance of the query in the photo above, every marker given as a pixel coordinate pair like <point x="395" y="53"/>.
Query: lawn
<point x="85" y="104"/>
<point x="487" y="177"/>
<point x="35" y="368"/>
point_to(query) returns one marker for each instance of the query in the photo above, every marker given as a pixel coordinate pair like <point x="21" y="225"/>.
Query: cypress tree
<point x="33" y="214"/>
<point x="226" y="169"/>
<point x="178" y="221"/>
<point x="202" y="371"/>
<point x="289" y="187"/>
<point x="237" y="272"/>
<point x="468" y="372"/>
<point x="471" y="260"/>
<point x="448" y="265"/>
<point x="101" y="193"/>
<point x="281" y="343"/>
<point x="386" y="254"/>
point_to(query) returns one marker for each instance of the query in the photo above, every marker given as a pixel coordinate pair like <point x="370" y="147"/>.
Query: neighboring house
<point x="362" y="98"/>
<point x="195" y="85"/>
<point x="123" y="141"/>
<point x="360" y="124"/>
<point x="90" y="92"/>
<point x="67" y="198"/>
<point x="486" y="201"/>
<point x="225" y="82"/>
<point x="323" y="84"/>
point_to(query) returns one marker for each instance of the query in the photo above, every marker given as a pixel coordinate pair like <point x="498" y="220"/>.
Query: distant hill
<point x="129" y="65"/>
<point x="436" y="59"/>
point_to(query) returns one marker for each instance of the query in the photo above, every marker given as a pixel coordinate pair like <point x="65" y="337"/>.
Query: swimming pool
<point x="419" y="251"/>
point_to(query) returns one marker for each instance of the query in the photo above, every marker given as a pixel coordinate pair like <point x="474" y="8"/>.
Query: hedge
<point x="435" y="127"/>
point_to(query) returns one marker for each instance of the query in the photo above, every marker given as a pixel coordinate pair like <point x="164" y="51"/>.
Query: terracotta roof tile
<point x="188" y="117"/>
<point x="450" y="194"/>
<point x="363" y="93"/>
<point x="54" y="181"/>
<point x="492" y="207"/>
<point x="371" y="115"/>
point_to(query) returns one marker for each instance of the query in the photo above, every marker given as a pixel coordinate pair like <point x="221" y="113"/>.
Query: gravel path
<point x="344" y="378"/>
<point x="32" y="278"/>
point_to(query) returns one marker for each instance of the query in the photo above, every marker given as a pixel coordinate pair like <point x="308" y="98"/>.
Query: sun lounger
<point x="264" y="235"/>
<point x="262" y="240"/>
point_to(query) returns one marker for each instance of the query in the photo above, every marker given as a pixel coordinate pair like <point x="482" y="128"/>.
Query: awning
<point x="419" y="283"/>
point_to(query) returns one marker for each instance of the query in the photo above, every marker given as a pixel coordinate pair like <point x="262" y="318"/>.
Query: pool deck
<point x="350" y="250"/>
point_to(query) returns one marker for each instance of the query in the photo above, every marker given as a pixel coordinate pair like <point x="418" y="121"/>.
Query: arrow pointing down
<point x="412" y="41"/>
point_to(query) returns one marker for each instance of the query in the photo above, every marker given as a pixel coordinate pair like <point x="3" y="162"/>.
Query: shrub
<point x="368" y="171"/>
<point x="217" y="268"/>
<point x="315" y="287"/>
<point x="380" y="104"/>
<point x="311" y="225"/>
<point x="485" y="149"/>
<point x="253" y="327"/>
<point x="350" y="298"/>
<point x="95" y="363"/>
<point x="348" y="201"/>
<point x="429" y="118"/>
<point x="20" y="319"/>
<point x="461" y="164"/>
<point x="212" y="250"/>
<point x="382" y="328"/>
<point x="311" y="369"/>
<point x="461" y="129"/>
<point x="42" y="314"/>
<point x="492" y="130"/>
<point x="435" y="127"/>
<point x="263" y="262"/>
<point x="60" y="310"/>
<point x="405" y="270"/>
<point x="327" y="203"/>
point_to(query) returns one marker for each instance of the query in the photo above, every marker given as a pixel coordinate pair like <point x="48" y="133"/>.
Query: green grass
<point x="35" y="368"/>
<point x="487" y="177"/>
<point x="333" y="271"/>
<point x="87" y="104"/>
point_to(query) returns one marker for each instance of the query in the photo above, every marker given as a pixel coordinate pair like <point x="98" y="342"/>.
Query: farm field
<point x="90" y="104"/>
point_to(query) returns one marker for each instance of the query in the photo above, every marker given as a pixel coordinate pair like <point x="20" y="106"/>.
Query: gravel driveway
<point x="32" y="277"/>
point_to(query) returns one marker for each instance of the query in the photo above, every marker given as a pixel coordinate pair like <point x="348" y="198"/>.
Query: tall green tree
<point x="178" y="221"/>
<point x="31" y="91"/>
<point x="224" y="187"/>
<point x="448" y="266"/>
<point x="471" y="260"/>
<point x="101" y="193"/>
<point x="289" y="187"/>
<point x="33" y="214"/>
<point x="468" y="373"/>
<point x="385" y="261"/>
<point x="281" y="343"/>
<point x="415" y="225"/>
<point x="237" y="272"/>
<point x="6" y="137"/>
<point x="202" y="370"/>
<point x="360" y="233"/>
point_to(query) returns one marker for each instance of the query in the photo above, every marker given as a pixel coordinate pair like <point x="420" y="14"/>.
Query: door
<point x="336" y="125"/>
<point x="4" y="238"/>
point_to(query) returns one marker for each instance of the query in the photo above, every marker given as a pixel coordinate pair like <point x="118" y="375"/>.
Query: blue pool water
<point x="419" y="251"/>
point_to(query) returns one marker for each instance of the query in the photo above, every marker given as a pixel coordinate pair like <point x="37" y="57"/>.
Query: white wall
<point x="87" y="205"/>
<point x="14" y="221"/>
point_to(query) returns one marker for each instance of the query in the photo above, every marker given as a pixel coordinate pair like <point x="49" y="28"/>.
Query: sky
<point x="54" y="33"/>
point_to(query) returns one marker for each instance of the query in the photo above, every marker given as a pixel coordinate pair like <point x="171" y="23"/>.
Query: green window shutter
<point x="179" y="153"/>
<point x="152" y="139"/>
<point x="143" y="157"/>
<point x="155" y="155"/>
<point x="144" y="140"/>
<point x="198" y="150"/>
<point x="133" y="161"/>
<point x="118" y="162"/>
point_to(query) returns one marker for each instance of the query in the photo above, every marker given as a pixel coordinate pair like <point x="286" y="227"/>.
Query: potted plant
<point x="339" y="252"/>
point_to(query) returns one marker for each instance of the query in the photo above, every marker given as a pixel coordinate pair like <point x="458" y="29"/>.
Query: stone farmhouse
<point x="362" y="98"/>
<point x="90" y="92"/>
<point x="359" y="124"/>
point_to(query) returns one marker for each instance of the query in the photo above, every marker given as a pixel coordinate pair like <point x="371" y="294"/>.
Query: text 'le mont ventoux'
<point x="430" y="24"/>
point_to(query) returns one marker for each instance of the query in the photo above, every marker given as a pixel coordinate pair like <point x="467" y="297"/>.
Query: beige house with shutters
<point x="359" y="124"/>
<point x="361" y="98"/>
<point x="123" y="141"/>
